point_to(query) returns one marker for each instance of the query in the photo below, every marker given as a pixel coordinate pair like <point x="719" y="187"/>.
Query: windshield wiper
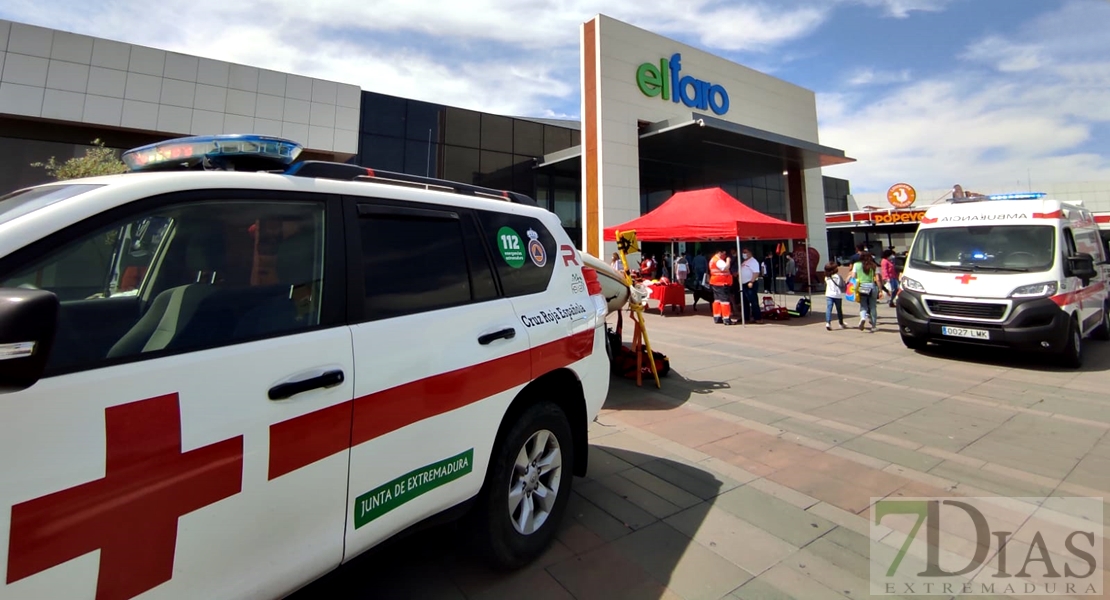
<point x="994" y="268"/>
<point x="949" y="267"/>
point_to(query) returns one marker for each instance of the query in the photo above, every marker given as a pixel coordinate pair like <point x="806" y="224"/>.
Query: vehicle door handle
<point x="508" y="333"/>
<point x="329" y="379"/>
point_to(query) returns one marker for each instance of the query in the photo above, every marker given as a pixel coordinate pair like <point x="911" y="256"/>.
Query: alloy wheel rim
<point x="534" y="484"/>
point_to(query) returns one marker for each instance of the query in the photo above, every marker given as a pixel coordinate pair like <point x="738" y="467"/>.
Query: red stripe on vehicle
<point x="370" y="172"/>
<point x="1078" y="295"/>
<point x="303" y="440"/>
<point x="1056" y="214"/>
<point x="928" y="221"/>
<point x="1102" y="218"/>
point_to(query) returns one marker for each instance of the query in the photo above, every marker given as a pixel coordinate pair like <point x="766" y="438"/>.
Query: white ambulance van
<point x="227" y="373"/>
<point x="1010" y="270"/>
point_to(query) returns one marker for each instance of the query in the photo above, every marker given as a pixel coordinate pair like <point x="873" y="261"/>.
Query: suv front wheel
<point x="526" y="489"/>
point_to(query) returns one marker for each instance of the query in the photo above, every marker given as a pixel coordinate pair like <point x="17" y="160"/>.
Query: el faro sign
<point x="665" y="80"/>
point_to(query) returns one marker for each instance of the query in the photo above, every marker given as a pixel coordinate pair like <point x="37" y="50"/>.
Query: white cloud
<point x="900" y="9"/>
<point x="870" y="76"/>
<point x="1005" y="55"/>
<point x="1015" y="110"/>
<point x="515" y="57"/>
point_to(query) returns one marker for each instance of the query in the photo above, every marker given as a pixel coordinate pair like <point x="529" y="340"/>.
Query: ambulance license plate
<point x="975" y="334"/>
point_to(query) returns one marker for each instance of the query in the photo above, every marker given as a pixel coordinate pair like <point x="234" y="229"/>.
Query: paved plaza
<point x="750" y="473"/>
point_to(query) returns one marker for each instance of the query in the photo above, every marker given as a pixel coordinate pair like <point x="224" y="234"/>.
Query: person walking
<point x="890" y="274"/>
<point x="681" y="270"/>
<point x="768" y="268"/>
<point x="834" y="295"/>
<point x="791" y="271"/>
<point x="869" y="282"/>
<point x="749" y="274"/>
<point x="701" y="267"/>
<point x="720" y="280"/>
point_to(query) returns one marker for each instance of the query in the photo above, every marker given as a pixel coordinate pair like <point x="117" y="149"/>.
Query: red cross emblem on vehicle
<point x="131" y="513"/>
<point x="966" y="278"/>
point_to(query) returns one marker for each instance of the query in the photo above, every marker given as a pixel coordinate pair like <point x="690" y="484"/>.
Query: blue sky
<point x="933" y="92"/>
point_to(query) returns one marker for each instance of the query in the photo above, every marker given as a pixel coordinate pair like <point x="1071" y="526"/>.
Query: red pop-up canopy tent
<point x="708" y="215"/>
<point x="705" y="216"/>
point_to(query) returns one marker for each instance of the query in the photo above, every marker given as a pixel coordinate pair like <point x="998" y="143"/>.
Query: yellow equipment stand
<point x="626" y="242"/>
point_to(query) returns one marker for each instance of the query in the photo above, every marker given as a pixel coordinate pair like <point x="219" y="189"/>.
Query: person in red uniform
<point x="720" y="280"/>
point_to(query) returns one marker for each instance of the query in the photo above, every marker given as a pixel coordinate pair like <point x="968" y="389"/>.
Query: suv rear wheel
<point x="527" y="488"/>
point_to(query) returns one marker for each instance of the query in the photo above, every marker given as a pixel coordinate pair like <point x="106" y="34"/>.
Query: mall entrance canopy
<point x="704" y="140"/>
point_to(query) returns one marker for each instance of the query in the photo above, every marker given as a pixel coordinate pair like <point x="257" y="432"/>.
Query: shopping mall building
<point x="657" y="117"/>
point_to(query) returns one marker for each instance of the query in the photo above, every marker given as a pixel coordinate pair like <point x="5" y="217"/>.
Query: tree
<point x="97" y="160"/>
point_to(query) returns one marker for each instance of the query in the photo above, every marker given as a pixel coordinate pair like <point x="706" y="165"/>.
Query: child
<point x="834" y="295"/>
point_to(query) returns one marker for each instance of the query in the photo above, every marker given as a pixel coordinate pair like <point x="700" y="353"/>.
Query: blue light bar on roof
<point x="187" y="152"/>
<point x="1017" y="196"/>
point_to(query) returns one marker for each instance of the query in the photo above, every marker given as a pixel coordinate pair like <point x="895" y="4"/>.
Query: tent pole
<point x="740" y="273"/>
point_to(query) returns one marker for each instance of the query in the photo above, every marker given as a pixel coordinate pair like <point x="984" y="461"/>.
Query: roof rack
<point x="348" y="172"/>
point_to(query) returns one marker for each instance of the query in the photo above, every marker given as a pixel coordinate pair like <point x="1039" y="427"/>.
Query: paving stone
<point x="664" y="489"/>
<point x="602" y="463"/>
<point x="998" y="484"/>
<point x="781" y="519"/>
<point x="751" y="412"/>
<point x="1031" y="459"/>
<point x="739" y="541"/>
<point x="698" y="482"/>
<point x="797" y="585"/>
<point x="689" y="569"/>
<point x="595" y="520"/>
<point x="815" y="431"/>
<point x="531" y="583"/>
<point x="830" y="574"/>
<point x="601" y="574"/>
<point x="638" y="496"/>
<point x="620" y="508"/>
<point x="829" y="489"/>
<point x="693" y="429"/>
<point x="893" y="454"/>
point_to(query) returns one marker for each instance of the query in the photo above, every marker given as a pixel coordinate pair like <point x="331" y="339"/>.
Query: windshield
<point x="1006" y="248"/>
<point x="28" y="200"/>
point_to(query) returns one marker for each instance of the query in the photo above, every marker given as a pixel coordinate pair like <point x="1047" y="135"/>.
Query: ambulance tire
<point x="495" y="536"/>
<point x="1102" y="332"/>
<point x="1072" y="356"/>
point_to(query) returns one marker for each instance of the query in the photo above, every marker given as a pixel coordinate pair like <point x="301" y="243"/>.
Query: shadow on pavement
<point x="1096" y="357"/>
<point x="627" y="527"/>
<point x="676" y="390"/>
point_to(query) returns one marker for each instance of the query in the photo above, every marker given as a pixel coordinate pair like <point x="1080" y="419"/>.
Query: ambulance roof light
<point x="228" y="151"/>
<point x="1017" y="196"/>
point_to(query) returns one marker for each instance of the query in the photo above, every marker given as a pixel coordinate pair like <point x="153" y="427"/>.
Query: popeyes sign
<point x="898" y="217"/>
<point x="901" y="195"/>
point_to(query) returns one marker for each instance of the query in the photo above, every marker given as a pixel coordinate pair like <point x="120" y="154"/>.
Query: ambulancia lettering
<point x="964" y="218"/>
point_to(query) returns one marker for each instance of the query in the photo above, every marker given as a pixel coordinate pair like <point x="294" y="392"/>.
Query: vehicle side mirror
<point x="28" y="322"/>
<point x="1082" y="266"/>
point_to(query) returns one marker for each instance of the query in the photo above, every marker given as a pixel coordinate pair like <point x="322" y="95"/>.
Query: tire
<point x="1102" y="332"/>
<point x="1072" y="355"/>
<point x="914" y="343"/>
<point x="496" y="531"/>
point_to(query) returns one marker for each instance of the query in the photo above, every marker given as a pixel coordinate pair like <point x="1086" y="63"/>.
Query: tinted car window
<point x="413" y="264"/>
<point x="523" y="250"/>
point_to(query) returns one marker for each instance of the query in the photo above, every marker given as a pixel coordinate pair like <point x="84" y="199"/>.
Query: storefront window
<point x="383" y="115"/>
<point x="423" y="120"/>
<point x="566" y="207"/>
<point x="464" y="128"/>
<point x="497" y="133"/>
<point x="527" y="138"/>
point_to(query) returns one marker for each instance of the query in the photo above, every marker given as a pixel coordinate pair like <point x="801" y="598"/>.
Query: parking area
<point x="750" y="473"/>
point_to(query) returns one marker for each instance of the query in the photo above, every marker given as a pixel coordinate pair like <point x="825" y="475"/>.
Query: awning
<point x="705" y="140"/>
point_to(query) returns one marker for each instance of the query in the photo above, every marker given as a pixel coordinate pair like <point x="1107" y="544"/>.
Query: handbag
<point x="866" y="289"/>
